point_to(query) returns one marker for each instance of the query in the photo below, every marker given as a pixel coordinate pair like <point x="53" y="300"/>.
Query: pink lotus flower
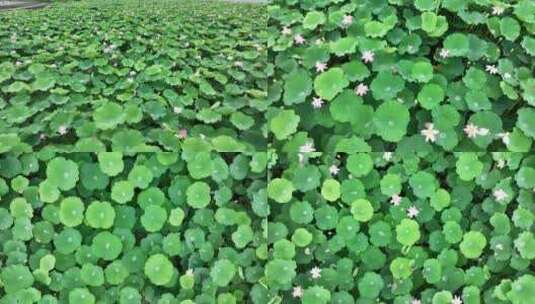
<point x="368" y="56"/>
<point x="348" y="20"/>
<point x="412" y="212"/>
<point x="320" y="67"/>
<point x="286" y="31"/>
<point x="361" y="89"/>
<point x="395" y="200"/>
<point x="317" y="102"/>
<point x="333" y="169"/>
<point x="299" y="39"/>
<point x="183" y="133"/>
<point x="429" y="133"/>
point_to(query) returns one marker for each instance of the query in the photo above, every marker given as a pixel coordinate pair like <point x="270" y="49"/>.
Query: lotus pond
<point x="128" y="76"/>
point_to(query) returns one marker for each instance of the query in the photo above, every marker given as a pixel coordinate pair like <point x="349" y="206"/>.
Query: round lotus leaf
<point x="313" y="19"/>
<point x="457" y="44"/>
<point x="62" y="173"/>
<point x="297" y="86"/>
<point x="391" y="120"/>
<point x="280" y="190"/>
<point x="284" y="124"/>
<point x="159" y="269"/>
<point x="430" y="96"/>
<point x="330" y="83"/>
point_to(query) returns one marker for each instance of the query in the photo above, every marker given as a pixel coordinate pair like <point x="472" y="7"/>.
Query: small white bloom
<point x="320" y="67"/>
<point x="361" y="89"/>
<point x="416" y="301"/>
<point x="444" y="53"/>
<point x="333" y="169"/>
<point x="317" y="102"/>
<point x="368" y="56"/>
<point x="500" y="195"/>
<point x="483" y="131"/>
<point x="387" y="156"/>
<point x="395" y="200"/>
<point x="297" y="292"/>
<point x="62" y="130"/>
<point x="307" y="148"/>
<point x="189" y="272"/>
<point x="238" y="64"/>
<point x="506" y="75"/>
<point x="299" y="39"/>
<point x="471" y="130"/>
<point x="348" y="19"/>
<point x="497" y="10"/>
<point x="429" y="132"/>
<point x="315" y="272"/>
<point x="505" y="137"/>
<point x="177" y="110"/>
<point x="456" y="300"/>
<point x="286" y="31"/>
<point x="412" y="211"/>
<point x="500" y="164"/>
<point x="492" y="69"/>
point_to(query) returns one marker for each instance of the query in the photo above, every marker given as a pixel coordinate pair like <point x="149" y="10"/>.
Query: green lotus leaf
<point x="391" y="120"/>
<point x="457" y="44"/>
<point x="224" y="143"/>
<point x="344" y="106"/>
<point x="468" y="166"/>
<point x="528" y="43"/>
<point x="330" y="190"/>
<point x="355" y="70"/>
<point x="111" y="163"/>
<point x="198" y="195"/>
<point x="108" y="115"/>
<point x="313" y="19"/>
<point x="525" y="120"/>
<point x="284" y="124"/>
<point x="280" y="190"/>
<point x="297" y="87"/>
<point x="62" y="173"/>
<point x="6" y="70"/>
<point x="386" y="85"/>
<point x="375" y="29"/>
<point x="473" y="244"/>
<point x="422" y="71"/>
<point x="330" y="83"/>
<point x="528" y="90"/>
<point x="430" y="96"/>
<point x="429" y="21"/>
<point x="159" y="269"/>
<point x="343" y="46"/>
<point x="222" y="272"/>
<point x="522" y="290"/>
<point x="510" y="28"/>
<point x="475" y="78"/>
<point x="426" y="5"/>
<point x="44" y="82"/>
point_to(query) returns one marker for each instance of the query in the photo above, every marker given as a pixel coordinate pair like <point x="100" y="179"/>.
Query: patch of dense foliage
<point x="376" y="75"/>
<point x="96" y="76"/>
<point x="382" y="190"/>
<point x="406" y="228"/>
<point x="144" y="228"/>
